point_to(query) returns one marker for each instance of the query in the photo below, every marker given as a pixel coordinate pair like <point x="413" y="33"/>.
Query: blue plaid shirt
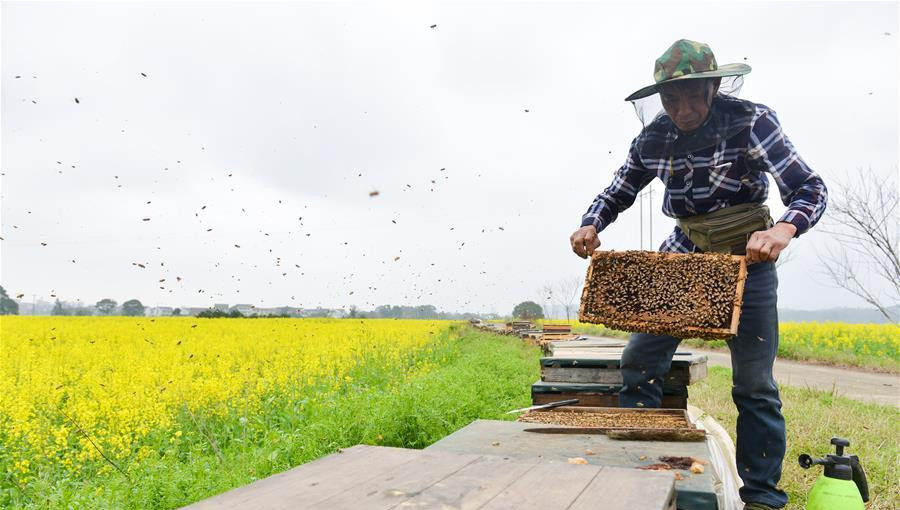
<point x="728" y="168"/>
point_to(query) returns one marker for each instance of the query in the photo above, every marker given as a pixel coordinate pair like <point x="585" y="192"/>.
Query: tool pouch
<point x="726" y="230"/>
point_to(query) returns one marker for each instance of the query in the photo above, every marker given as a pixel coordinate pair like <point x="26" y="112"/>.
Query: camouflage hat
<point x="686" y="60"/>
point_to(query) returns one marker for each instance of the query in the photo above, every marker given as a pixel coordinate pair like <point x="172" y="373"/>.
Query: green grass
<point x="466" y="375"/>
<point x="813" y="418"/>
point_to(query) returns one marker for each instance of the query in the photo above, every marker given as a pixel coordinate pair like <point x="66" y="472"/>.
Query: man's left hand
<point x="766" y="245"/>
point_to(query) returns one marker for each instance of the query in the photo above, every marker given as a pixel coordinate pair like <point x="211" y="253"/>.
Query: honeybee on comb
<point x="695" y="295"/>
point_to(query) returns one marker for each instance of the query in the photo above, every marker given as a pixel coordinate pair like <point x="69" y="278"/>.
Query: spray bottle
<point x="843" y="486"/>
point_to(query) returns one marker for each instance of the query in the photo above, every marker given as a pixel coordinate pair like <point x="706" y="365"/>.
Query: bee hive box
<point x="686" y="295"/>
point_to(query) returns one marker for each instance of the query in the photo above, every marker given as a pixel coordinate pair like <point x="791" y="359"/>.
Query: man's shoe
<point x="758" y="506"/>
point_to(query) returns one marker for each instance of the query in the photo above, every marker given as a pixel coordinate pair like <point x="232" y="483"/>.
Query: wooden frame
<point x="689" y="432"/>
<point x="636" y="325"/>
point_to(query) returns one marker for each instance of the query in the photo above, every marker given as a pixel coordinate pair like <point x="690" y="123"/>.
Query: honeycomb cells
<point x="684" y="295"/>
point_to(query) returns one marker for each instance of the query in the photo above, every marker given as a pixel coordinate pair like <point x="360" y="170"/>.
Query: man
<point x="713" y="151"/>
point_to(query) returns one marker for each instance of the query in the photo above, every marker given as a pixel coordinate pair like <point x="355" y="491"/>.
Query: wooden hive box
<point x="686" y="295"/>
<point x="599" y="395"/>
<point x="557" y="328"/>
<point x="686" y="368"/>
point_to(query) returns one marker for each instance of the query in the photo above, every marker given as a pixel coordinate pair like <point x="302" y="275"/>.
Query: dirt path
<point x="855" y="384"/>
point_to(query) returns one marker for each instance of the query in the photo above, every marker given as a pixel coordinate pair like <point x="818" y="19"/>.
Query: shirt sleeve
<point x="802" y="190"/>
<point x="628" y="181"/>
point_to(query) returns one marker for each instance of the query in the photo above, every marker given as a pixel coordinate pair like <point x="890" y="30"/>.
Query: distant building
<point x="158" y="311"/>
<point x="222" y="307"/>
<point x="245" y="309"/>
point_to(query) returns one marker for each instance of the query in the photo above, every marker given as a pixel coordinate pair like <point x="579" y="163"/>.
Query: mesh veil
<point x="650" y="107"/>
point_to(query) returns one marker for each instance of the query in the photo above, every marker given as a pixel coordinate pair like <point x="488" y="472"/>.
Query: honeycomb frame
<point x="594" y="309"/>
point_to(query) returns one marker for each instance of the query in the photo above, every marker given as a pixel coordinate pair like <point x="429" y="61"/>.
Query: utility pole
<point x="650" y="213"/>
<point x="641" y="208"/>
<point x="649" y="195"/>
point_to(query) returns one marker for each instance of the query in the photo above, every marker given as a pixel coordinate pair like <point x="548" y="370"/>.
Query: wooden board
<point x="600" y="313"/>
<point x="694" y="491"/>
<point x="603" y="367"/>
<point x="599" y="395"/>
<point x="379" y="478"/>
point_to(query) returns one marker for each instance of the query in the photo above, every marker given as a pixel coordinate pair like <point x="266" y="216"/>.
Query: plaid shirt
<point x="729" y="170"/>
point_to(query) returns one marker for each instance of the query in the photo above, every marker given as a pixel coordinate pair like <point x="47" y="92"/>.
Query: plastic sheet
<point x="722" y="455"/>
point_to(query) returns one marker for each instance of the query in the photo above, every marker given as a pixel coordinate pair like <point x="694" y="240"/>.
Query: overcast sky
<point x="486" y="137"/>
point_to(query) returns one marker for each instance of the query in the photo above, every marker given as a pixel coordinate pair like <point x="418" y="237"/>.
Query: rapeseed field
<point x="86" y="396"/>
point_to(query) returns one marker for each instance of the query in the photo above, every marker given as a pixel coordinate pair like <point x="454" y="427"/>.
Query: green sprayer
<point x="842" y="486"/>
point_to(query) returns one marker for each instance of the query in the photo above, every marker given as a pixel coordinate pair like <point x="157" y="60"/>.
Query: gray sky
<point x="268" y="113"/>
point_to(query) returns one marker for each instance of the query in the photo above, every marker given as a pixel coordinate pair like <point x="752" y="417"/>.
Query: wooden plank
<point x="473" y="485"/>
<point x="589" y="366"/>
<point x="695" y="491"/>
<point x="628" y="489"/>
<point x="393" y="486"/>
<point x="533" y="491"/>
<point x="739" y="296"/>
<point x="311" y="482"/>
<point x="675" y="377"/>
<point x="604" y="357"/>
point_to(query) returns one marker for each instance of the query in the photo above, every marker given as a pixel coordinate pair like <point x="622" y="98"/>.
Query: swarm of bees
<point x="684" y="295"/>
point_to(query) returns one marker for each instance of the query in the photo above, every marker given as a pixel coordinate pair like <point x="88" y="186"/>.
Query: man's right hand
<point x="584" y="241"/>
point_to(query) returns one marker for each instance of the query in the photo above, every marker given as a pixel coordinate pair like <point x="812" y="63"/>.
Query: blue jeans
<point x="760" y="425"/>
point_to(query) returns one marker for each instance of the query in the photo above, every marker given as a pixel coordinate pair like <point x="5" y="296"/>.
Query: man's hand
<point x="766" y="245"/>
<point x="584" y="241"/>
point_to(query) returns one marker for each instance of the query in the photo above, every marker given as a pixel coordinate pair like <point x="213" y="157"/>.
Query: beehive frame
<point x="593" y="315"/>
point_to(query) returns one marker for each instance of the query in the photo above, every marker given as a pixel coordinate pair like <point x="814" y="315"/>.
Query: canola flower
<point x="875" y="340"/>
<point x="86" y="391"/>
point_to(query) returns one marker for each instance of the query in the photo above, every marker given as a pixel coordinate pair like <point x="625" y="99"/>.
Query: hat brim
<point x="721" y="72"/>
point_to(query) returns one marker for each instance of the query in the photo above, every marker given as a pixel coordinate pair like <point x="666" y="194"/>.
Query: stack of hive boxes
<point x="589" y="370"/>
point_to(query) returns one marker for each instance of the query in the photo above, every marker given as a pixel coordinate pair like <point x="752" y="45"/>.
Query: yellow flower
<point x="71" y="385"/>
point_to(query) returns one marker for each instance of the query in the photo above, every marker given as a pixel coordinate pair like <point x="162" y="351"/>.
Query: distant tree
<point x="133" y="308"/>
<point x="215" y="313"/>
<point x="426" y="312"/>
<point x="862" y="220"/>
<point x="353" y="313"/>
<point x="7" y="305"/>
<point x="58" y="309"/>
<point x="106" y="306"/>
<point x="176" y="312"/>
<point x="566" y="293"/>
<point x="528" y="310"/>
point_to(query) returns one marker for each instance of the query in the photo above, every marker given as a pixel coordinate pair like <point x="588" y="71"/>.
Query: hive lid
<point x="611" y="360"/>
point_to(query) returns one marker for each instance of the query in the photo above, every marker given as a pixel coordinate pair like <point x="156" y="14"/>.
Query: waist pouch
<point x="726" y="230"/>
